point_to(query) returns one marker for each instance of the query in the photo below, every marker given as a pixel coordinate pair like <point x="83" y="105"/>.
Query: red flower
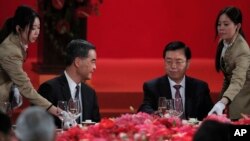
<point x="139" y="127"/>
<point x="58" y="4"/>
<point x="222" y="118"/>
<point x="164" y="121"/>
<point x="106" y="123"/>
<point x="243" y="121"/>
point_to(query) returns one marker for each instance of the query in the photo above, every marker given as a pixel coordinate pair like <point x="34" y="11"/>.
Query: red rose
<point x="107" y="123"/>
<point x="58" y="4"/>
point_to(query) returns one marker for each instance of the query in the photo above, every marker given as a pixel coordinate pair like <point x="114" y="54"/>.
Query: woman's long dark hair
<point x="235" y="16"/>
<point x="24" y="16"/>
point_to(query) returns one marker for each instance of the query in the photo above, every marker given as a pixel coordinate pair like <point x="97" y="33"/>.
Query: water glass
<point x="61" y="106"/>
<point x="170" y="107"/>
<point x="178" y="107"/>
<point x="74" y="108"/>
<point x="162" y="105"/>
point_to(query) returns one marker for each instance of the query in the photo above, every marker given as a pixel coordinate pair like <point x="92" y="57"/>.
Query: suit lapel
<point x="166" y="90"/>
<point x="65" y="91"/>
<point x="188" y="96"/>
<point x="84" y="100"/>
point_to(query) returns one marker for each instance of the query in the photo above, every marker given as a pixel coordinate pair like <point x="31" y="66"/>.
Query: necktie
<point x="178" y="106"/>
<point x="78" y="120"/>
<point x="77" y="92"/>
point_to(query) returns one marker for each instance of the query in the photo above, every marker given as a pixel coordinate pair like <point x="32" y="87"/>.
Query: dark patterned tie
<point x="78" y="120"/>
<point x="77" y="92"/>
<point x="179" y="106"/>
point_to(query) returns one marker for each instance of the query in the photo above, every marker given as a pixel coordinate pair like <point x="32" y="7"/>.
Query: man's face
<point x="87" y="66"/>
<point x="176" y="64"/>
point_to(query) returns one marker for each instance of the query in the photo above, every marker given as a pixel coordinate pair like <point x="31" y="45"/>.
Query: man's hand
<point x="218" y="108"/>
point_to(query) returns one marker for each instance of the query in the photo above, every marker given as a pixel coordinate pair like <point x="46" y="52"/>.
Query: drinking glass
<point x="178" y="107"/>
<point x="162" y="105"/>
<point x="170" y="107"/>
<point x="74" y="108"/>
<point x="61" y="105"/>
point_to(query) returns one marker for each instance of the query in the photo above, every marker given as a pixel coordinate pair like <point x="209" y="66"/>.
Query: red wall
<point x="141" y="28"/>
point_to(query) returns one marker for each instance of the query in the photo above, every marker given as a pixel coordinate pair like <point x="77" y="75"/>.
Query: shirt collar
<point x="72" y="83"/>
<point x="172" y="83"/>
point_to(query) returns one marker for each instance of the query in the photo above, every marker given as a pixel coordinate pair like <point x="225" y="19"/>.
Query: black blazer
<point x="197" y="98"/>
<point x="58" y="89"/>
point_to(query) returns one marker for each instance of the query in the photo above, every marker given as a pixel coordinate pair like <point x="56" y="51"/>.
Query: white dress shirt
<point x="72" y="86"/>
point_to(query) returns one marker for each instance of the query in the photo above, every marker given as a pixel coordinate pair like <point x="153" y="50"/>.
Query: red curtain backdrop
<point x="141" y="28"/>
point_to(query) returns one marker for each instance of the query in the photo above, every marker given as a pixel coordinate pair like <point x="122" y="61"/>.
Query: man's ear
<point x="77" y="61"/>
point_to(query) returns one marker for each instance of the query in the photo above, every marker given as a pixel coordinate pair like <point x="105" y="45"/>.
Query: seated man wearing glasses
<point x="194" y="93"/>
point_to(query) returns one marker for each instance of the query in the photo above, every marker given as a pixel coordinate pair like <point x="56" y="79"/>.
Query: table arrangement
<point x="140" y="127"/>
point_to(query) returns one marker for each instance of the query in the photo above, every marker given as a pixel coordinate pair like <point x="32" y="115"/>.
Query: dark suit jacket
<point x="58" y="89"/>
<point x="197" y="99"/>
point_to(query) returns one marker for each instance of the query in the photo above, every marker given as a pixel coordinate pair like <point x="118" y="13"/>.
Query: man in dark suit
<point x="194" y="93"/>
<point x="80" y="64"/>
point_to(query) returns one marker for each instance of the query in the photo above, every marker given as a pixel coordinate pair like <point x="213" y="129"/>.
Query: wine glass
<point x="74" y="108"/>
<point x="61" y="106"/>
<point x="5" y="107"/>
<point x="178" y="107"/>
<point x="162" y="105"/>
<point x="169" y="107"/>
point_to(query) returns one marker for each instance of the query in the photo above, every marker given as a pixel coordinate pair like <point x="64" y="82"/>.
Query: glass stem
<point x="62" y="125"/>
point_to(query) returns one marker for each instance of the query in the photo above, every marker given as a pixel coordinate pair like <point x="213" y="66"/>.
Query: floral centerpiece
<point x="137" y="127"/>
<point x="140" y="127"/>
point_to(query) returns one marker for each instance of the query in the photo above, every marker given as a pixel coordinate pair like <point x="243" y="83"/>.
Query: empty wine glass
<point x="74" y="108"/>
<point x="178" y="107"/>
<point x="61" y="105"/>
<point x="169" y="107"/>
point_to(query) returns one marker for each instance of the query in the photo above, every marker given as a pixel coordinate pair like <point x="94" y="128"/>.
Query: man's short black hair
<point x="77" y="48"/>
<point x="176" y="45"/>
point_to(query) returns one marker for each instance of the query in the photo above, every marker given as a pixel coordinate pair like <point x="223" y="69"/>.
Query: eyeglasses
<point x="176" y="62"/>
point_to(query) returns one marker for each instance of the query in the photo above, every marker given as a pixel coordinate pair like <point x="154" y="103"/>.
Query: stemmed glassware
<point x="61" y="107"/>
<point x="178" y="107"/>
<point x="170" y="107"/>
<point x="74" y="108"/>
<point x="162" y="105"/>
